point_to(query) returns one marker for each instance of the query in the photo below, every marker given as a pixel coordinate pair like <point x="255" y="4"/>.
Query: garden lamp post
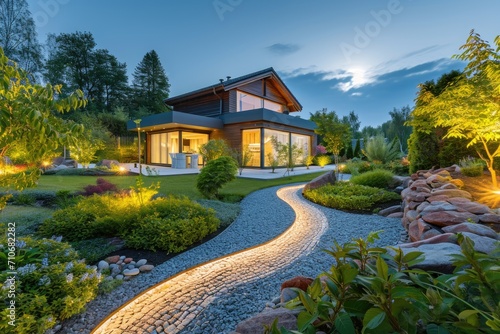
<point x="138" y="125"/>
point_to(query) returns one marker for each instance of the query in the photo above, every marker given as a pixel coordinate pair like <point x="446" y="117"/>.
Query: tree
<point x="286" y="154"/>
<point x="150" y="83"/>
<point x="74" y="61"/>
<point x="18" y="36"/>
<point x="215" y="174"/>
<point x="470" y="107"/>
<point x="334" y="133"/>
<point x="399" y="118"/>
<point x="354" y="123"/>
<point x="29" y="121"/>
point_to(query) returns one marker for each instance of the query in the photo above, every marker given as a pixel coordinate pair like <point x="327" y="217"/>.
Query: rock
<point x="438" y="206"/>
<point x="422" y="206"/>
<point x="57" y="161"/>
<point x="443" y="238"/>
<point x="457" y="182"/>
<point x="119" y="277"/>
<point x="112" y="259"/>
<point x="320" y="181"/>
<point x="255" y="324"/>
<point x="387" y="211"/>
<point x="452" y="193"/>
<point x="482" y="244"/>
<point x="287" y="294"/>
<point x="489" y="218"/>
<point x="103" y="265"/>
<point x="127" y="260"/>
<point x="299" y="282"/>
<point x="115" y="271"/>
<point x="146" y="268"/>
<point x="474" y="207"/>
<point x="436" y="178"/>
<point x="446" y="218"/>
<point x="420" y="230"/>
<point x="130" y="266"/>
<point x="437" y="257"/>
<point x="418" y="184"/>
<point x="141" y="262"/>
<point x="122" y="257"/>
<point x="395" y="215"/>
<point x="131" y="272"/>
<point x="457" y="200"/>
<point x="413" y="205"/>
<point x="478" y="229"/>
<point x="113" y="265"/>
<point x="437" y="198"/>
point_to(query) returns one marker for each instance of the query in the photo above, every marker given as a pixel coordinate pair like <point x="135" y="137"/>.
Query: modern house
<point x="246" y="111"/>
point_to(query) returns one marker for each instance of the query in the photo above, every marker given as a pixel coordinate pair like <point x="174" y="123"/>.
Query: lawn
<point x="178" y="184"/>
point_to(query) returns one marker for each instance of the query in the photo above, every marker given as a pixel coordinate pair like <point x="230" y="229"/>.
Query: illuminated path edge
<point x="169" y="306"/>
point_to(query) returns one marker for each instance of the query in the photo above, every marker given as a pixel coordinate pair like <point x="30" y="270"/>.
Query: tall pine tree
<point x="150" y="84"/>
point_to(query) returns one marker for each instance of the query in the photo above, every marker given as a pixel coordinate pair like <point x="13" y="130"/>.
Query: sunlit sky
<point x="366" y="56"/>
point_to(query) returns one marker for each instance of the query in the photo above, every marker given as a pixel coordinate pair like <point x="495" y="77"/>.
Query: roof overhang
<point x="175" y="119"/>
<point x="266" y="115"/>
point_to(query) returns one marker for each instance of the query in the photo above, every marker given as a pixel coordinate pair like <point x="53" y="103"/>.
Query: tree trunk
<point x="493" y="176"/>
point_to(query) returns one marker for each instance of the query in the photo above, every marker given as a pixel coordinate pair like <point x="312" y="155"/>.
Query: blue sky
<point x="366" y="56"/>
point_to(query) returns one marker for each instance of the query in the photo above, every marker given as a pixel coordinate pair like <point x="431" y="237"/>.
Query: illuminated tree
<point x="29" y="122"/>
<point x="469" y="108"/>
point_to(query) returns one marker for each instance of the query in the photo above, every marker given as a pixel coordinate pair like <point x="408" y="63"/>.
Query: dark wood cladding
<point x="263" y="88"/>
<point x="206" y="105"/>
<point x="273" y="94"/>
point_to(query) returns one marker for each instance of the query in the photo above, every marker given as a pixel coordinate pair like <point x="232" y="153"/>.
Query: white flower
<point x="69" y="278"/>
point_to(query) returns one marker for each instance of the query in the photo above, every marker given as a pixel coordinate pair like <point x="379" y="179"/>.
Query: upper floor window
<point x="247" y="101"/>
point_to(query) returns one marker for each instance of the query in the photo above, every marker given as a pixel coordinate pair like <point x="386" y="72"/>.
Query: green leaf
<point x="305" y="320"/>
<point x="382" y="269"/>
<point x="344" y="324"/>
<point x="306" y="300"/>
<point x="436" y="329"/>
<point x="373" y="318"/>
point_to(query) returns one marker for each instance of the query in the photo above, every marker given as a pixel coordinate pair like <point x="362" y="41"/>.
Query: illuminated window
<point x="247" y="101"/>
<point x="251" y="140"/>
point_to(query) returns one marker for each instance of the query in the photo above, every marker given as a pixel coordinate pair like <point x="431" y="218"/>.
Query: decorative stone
<point x="387" y="211"/>
<point x="146" y="267"/>
<point x="127" y="260"/>
<point x="320" y="181"/>
<point x="459" y="183"/>
<point x="395" y="215"/>
<point x="437" y="198"/>
<point x="437" y="257"/>
<point x="115" y="271"/>
<point x="288" y="294"/>
<point x="452" y="193"/>
<point x="420" y="230"/>
<point x="411" y="215"/>
<point x="131" y="272"/>
<point x="457" y="200"/>
<point x="112" y="259"/>
<point x="490" y="218"/>
<point x="482" y="244"/>
<point x="438" y="206"/>
<point x="436" y="178"/>
<point x="478" y="229"/>
<point x="119" y="262"/>
<point x="255" y="325"/>
<point x="130" y="266"/>
<point x="445" y="237"/>
<point x="446" y="218"/>
<point x="102" y="265"/>
<point x="299" y="282"/>
<point x="422" y="206"/>
<point x="119" y="277"/>
<point x="108" y="163"/>
<point x="474" y="207"/>
<point x="141" y="262"/>
<point x="122" y="257"/>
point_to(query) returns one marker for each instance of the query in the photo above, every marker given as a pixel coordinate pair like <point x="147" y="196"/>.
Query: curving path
<point x="170" y="306"/>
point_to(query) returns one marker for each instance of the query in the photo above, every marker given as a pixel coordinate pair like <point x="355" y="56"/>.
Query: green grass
<point x="27" y="218"/>
<point x="178" y="184"/>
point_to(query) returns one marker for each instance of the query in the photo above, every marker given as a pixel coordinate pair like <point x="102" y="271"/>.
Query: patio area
<point x="151" y="170"/>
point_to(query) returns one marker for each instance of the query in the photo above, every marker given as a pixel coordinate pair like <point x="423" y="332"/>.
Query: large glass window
<point x="303" y="143"/>
<point x="281" y="137"/>
<point x="251" y="140"/>
<point x="247" y="101"/>
<point x="163" y="144"/>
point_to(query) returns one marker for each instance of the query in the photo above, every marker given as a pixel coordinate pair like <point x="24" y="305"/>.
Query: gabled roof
<point x="270" y="73"/>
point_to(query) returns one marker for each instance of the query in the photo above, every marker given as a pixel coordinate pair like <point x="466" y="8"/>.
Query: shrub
<point x="24" y="199"/>
<point x="423" y="150"/>
<point x="215" y="174"/>
<point x="377" y="149"/>
<point x="378" y="178"/>
<point x="102" y="186"/>
<point x="471" y="167"/>
<point x="371" y="290"/>
<point x="170" y="224"/>
<point x="93" y="249"/>
<point x="322" y="160"/>
<point x="273" y="161"/>
<point x="357" y="166"/>
<point x="108" y="286"/>
<point x="309" y="160"/>
<point x="52" y="284"/>
<point x="349" y="196"/>
<point x="399" y="167"/>
<point x="213" y="149"/>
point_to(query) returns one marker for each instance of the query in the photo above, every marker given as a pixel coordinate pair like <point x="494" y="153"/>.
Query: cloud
<point x="282" y="49"/>
<point x="357" y="94"/>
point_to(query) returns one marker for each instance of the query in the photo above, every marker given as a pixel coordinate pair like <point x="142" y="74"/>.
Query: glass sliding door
<point x="251" y="141"/>
<point x="303" y="143"/>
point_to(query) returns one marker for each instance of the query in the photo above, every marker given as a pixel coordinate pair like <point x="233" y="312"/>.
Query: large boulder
<point x="478" y="229"/>
<point x="320" y="181"/>
<point x="108" y="163"/>
<point x="255" y="324"/>
<point x="446" y="218"/>
<point x="299" y="282"/>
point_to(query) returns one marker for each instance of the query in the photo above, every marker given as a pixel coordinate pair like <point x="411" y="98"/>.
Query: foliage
<point x="18" y="36"/>
<point x="349" y="196"/>
<point x="215" y="174"/>
<point x="422" y="150"/>
<point x="101" y="186"/>
<point x="286" y="154"/>
<point x="53" y="284"/>
<point x="107" y="286"/>
<point x="309" y="160"/>
<point x="322" y="160"/>
<point x="27" y="218"/>
<point x="476" y="117"/>
<point x="242" y="157"/>
<point x="225" y="212"/>
<point x="27" y="116"/>
<point x="399" y="119"/>
<point x="378" y="178"/>
<point x="356" y="166"/>
<point x="357" y="149"/>
<point x="213" y="149"/>
<point x="97" y="73"/>
<point x="451" y="150"/>
<point x="377" y="149"/>
<point x="471" y="167"/>
<point x="273" y="161"/>
<point x="150" y="84"/>
<point x="93" y="249"/>
<point x="399" y="167"/>
<point x="372" y="290"/>
<point x="352" y="120"/>
<point x="170" y="224"/>
<point x="320" y="149"/>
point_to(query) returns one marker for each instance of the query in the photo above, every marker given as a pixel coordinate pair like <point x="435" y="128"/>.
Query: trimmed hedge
<point x="378" y="178"/>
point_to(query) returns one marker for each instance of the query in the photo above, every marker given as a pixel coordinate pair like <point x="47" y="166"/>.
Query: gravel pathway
<point x="263" y="217"/>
